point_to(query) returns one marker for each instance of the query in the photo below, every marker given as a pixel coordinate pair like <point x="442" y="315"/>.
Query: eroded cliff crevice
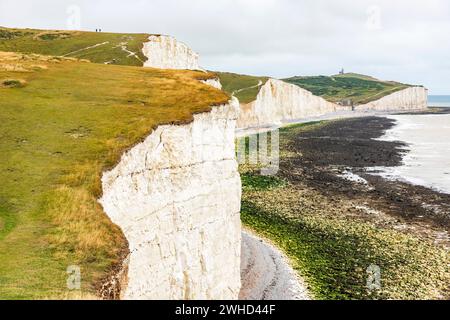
<point x="176" y="196"/>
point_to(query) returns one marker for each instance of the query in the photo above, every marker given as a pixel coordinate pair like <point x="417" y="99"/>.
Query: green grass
<point x="360" y="89"/>
<point x="244" y="87"/>
<point x="70" y="122"/>
<point x="252" y="181"/>
<point x="75" y="43"/>
<point x="355" y="76"/>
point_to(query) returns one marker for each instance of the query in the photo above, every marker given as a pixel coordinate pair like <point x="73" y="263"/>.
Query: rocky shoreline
<point x="339" y="147"/>
<point x="334" y="218"/>
<point x="266" y="273"/>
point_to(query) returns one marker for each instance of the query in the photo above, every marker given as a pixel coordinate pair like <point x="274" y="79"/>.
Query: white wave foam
<point x="427" y="158"/>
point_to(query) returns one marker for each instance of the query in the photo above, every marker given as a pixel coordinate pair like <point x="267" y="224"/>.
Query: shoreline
<point x="349" y="146"/>
<point x="338" y="115"/>
<point x="324" y="169"/>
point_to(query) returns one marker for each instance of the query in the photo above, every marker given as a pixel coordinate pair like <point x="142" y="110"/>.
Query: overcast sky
<point x="404" y="40"/>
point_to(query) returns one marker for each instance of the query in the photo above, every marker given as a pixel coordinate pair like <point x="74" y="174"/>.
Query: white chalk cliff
<point x="176" y="196"/>
<point x="165" y="52"/>
<point x="413" y="98"/>
<point x="279" y="101"/>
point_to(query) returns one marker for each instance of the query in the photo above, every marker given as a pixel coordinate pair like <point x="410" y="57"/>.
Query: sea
<point x="427" y="157"/>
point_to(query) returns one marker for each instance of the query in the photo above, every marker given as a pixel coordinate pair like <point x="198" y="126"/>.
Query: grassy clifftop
<point x="244" y="87"/>
<point x="99" y="47"/>
<point x="63" y="122"/>
<point x="360" y="89"/>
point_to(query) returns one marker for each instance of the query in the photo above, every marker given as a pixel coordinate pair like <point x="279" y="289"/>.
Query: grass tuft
<point x="331" y="249"/>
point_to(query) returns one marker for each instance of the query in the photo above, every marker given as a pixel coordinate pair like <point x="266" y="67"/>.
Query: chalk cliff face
<point x="414" y="98"/>
<point x="176" y="197"/>
<point x="213" y="83"/>
<point x="165" y="52"/>
<point x="278" y="101"/>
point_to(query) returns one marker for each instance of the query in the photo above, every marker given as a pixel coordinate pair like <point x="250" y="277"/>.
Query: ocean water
<point x="439" y="101"/>
<point x="427" y="157"/>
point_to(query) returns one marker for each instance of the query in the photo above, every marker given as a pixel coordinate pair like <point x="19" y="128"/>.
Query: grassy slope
<point x="332" y="250"/>
<point x="244" y="87"/>
<point x="359" y="88"/>
<point x="63" y="123"/>
<point x="74" y="44"/>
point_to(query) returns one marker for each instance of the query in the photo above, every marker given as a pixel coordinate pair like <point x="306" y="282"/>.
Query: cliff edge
<point x="176" y="196"/>
<point x="280" y="102"/>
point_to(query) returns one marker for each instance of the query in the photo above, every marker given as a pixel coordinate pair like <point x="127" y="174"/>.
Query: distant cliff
<point x="278" y="101"/>
<point x="413" y="98"/>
